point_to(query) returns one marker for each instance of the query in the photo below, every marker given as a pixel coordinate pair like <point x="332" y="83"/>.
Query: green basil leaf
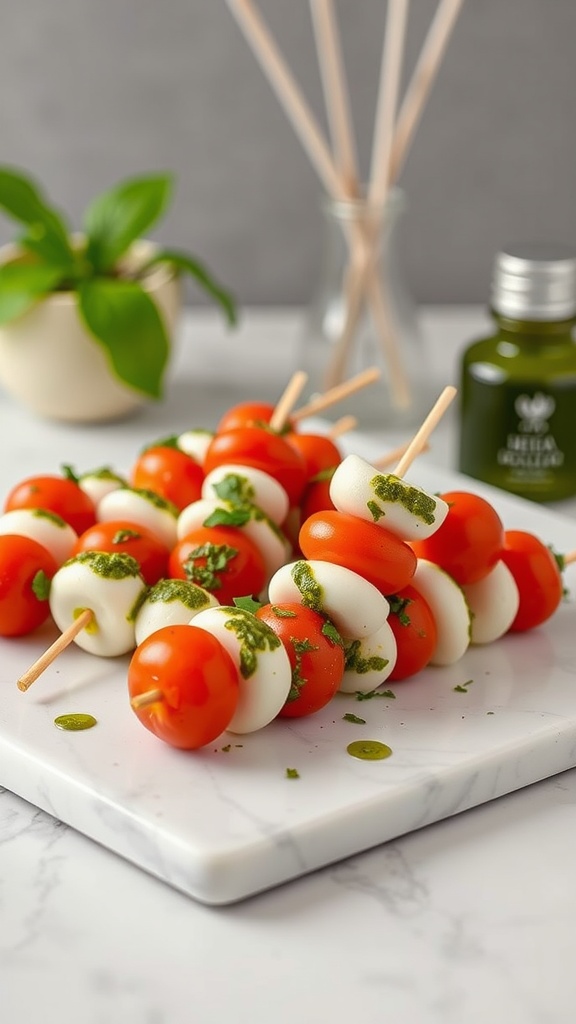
<point x="21" y="199"/>
<point x="121" y="215"/>
<point x="203" y="277"/>
<point x="126" y="322"/>
<point x="23" y="284"/>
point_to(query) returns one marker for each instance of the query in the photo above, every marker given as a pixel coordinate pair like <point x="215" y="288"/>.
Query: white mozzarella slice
<point x="43" y="526"/>
<point x="353" y="604"/>
<point x="265" y="673"/>
<point x="402" y="508"/>
<point x="170" y="603"/>
<point x="246" y="484"/>
<point x="195" y="443"/>
<point x="493" y="603"/>
<point x="449" y="608"/>
<point x="111" y="586"/>
<point x="266" y="535"/>
<point x="369" y="661"/>
<point x="144" y="508"/>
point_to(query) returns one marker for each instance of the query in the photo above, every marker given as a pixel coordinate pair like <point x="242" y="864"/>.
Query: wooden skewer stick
<point x="362" y="280"/>
<point x="146" y="698"/>
<point x="342" y="426"/>
<point x="391" y="458"/>
<point x="570" y="557"/>
<point x="336" y="96"/>
<point x="421" y="436"/>
<point x="288" y="400"/>
<point x="55" y="649"/>
<point x="292" y="101"/>
<point x="337" y="394"/>
<point x="420" y="84"/>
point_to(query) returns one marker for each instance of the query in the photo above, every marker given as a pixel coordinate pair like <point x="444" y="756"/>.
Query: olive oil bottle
<point x="518" y="386"/>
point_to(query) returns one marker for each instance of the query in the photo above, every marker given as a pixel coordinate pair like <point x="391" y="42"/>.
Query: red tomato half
<point x="195" y="682"/>
<point x="468" y="544"/>
<point x="169" y="472"/>
<point x="262" y="448"/>
<point x="318" y="451"/>
<point x="131" y="539"/>
<point x="414" y="628"/>
<point x="246" y="414"/>
<point x="537" y="577"/>
<point x="366" y="548"/>
<point x="26" y="568"/>
<point x="222" y="559"/>
<point x="316" y="656"/>
<point x="57" y="494"/>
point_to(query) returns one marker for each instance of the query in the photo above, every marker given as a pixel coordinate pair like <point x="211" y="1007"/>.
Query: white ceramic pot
<point x="52" y="364"/>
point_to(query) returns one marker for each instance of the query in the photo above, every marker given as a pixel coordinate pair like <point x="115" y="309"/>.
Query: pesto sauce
<point x="113" y="566"/>
<point x="254" y="636"/>
<point x="311" y="592"/>
<point x="53" y="517"/>
<point x="369" y="750"/>
<point x="390" y="488"/>
<point x="189" y="594"/>
<point x="75" y="722"/>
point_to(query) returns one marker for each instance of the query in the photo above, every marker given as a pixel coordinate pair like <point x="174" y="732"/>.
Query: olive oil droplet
<point x="369" y="750"/>
<point x="75" y="722"/>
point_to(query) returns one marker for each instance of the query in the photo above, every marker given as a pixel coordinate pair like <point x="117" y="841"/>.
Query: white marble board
<point x="220" y="825"/>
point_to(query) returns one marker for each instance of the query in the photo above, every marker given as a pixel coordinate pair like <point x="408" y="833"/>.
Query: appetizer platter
<point x="374" y="664"/>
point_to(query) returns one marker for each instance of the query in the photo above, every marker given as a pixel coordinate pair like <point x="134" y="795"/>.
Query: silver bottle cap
<point x="535" y="282"/>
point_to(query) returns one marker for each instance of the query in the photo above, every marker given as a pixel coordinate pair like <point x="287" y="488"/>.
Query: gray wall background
<point x="95" y="90"/>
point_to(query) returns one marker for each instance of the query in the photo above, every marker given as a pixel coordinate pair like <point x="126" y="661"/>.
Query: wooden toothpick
<point x="55" y="649"/>
<point x="421" y="436"/>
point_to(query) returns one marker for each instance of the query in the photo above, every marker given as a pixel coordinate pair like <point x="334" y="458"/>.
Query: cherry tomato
<point x="369" y="550"/>
<point x="196" y="683"/>
<point x="316" y="497"/>
<point x="131" y="539"/>
<point x="315" y="653"/>
<point x="537" y="576"/>
<point x="57" y="494"/>
<point x="222" y="559"/>
<point x="318" y="451"/>
<point x="262" y="448"/>
<point x="414" y="627"/>
<point x="26" y="568"/>
<point x="169" y="472"/>
<point x="247" y="414"/>
<point x="468" y="543"/>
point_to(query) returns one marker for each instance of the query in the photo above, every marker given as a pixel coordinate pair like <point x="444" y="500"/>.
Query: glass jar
<point x="518" y="386"/>
<point x="374" y="406"/>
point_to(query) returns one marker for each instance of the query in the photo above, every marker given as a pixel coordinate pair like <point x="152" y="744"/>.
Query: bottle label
<point x="531" y="449"/>
<point x="520" y="435"/>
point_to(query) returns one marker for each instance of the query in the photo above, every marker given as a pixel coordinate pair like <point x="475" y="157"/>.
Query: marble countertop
<point x="465" y="921"/>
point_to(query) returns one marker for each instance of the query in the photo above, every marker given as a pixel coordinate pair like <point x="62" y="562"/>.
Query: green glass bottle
<point x="518" y="386"/>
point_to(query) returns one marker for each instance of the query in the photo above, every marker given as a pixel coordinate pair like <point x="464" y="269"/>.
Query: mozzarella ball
<point x="493" y="602"/>
<point x="369" y="660"/>
<point x="44" y="526"/>
<point x="195" y="443"/>
<point x="169" y="603"/>
<point x="100" y="482"/>
<point x="111" y="586"/>
<point x="145" y="508"/>
<point x="402" y="508"/>
<point x="355" y="606"/>
<point x="449" y="609"/>
<point x="247" y="485"/>
<point x="265" y="673"/>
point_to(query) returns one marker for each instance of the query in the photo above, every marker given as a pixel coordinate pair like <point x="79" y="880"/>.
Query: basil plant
<point x="111" y="299"/>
